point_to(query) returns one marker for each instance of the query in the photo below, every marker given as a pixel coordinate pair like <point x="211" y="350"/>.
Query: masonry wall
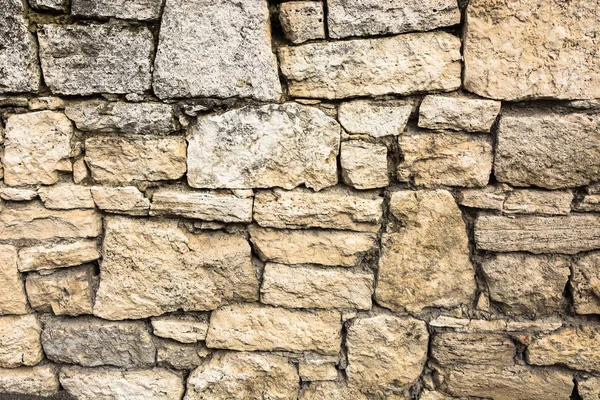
<point x="339" y="200"/>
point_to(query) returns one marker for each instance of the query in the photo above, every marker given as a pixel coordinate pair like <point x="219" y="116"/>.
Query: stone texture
<point x="46" y="102"/>
<point x="495" y="325"/>
<point x="255" y="327"/>
<point x="120" y="200"/>
<point x="57" y="256"/>
<point x="425" y="259"/>
<point x="375" y="118"/>
<point x="41" y="380"/>
<point x="335" y="208"/>
<point x="171" y="354"/>
<point x="160" y="273"/>
<point x="186" y="328"/>
<point x="527" y="201"/>
<point x="589" y="389"/>
<point x="232" y="375"/>
<point x="65" y="292"/>
<point x="445" y="158"/>
<point x="371" y="17"/>
<point x="52" y="5"/>
<point x="65" y="196"/>
<point x="488" y="198"/>
<point x="109" y="117"/>
<point x="13" y="299"/>
<point x="458" y="113"/>
<point x="91" y="342"/>
<point x="19" y="69"/>
<point x="204" y="205"/>
<point x="88" y="59"/>
<point x="316" y="287"/>
<point x="344" y="249"/>
<point x="589" y="203"/>
<point x="283" y="145"/>
<point x="317" y="368"/>
<point x="211" y="48"/>
<point x="330" y="391"/>
<point x="20" y="341"/>
<point x="567" y="234"/>
<point x="549" y="150"/>
<point x="302" y="20"/>
<point x="135" y="158"/>
<point x="386" y="353"/>
<point x="114" y="384"/>
<point x="585" y="284"/>
<point x="364" y="165"/>
<point x="36" y="148"/>
<point x="17" y="194"/>
<point x="574" y="347"/>
<point x="369" y="67"/>
<point x="531" y="50"/>
<point x="459" y="348"/>
<point x="144" y="10"/>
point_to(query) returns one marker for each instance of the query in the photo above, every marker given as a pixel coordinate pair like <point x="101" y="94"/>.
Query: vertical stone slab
<point x="12" y="291"/>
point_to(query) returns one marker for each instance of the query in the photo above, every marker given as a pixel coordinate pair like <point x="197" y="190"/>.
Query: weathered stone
<point x="498" y="325"/>
<point x="316" y="287"/>
<point x="434" y="395"/>
<point x="589" y="388"/>
<point x="65" y="292"/>
<point x="263" y="328"/>
<point x="521" y="52"/>
<point x="458" y="113"/>
<point x="58" y="256"/>
<point x="205" y="205"/>
<point x="92" y="342"/>
<point x="316" y="368"/>
<point x="109" y="117"/>
<point x="489" y="197"/>
<point x="233" y="375"/>
<point x="526" y="201"/>
<point x="186" y="328"/>
<point x="459" y="348"/>
<point x="344" y="249"/>
<point x="574" y="347"/>
<point x="46" y="102"/>
<point x="211" y="48"/>
<point x="567" y="234"/>
<point x="386" y="353"/>
<point x="66" y="196"/>
<point x="80" y="171"/>
<point x="283" y="145"/>
<point x="177" y="355"/>
<point x="88" y="59"/>
<point x="17" y="194"/>
<point x="302" y="20"/>
<point x="585" y="284"/>
<point x="526" y="283"/>
<point x="336" y="208"/>
<point x="32" y="221"/>
<point x="445" y="158"/>
<point x="375" y="118"/>
<point x="144" y="10"/>
<point x="135" y="158"/>
<point x="121" y="200"/>
<point x="41" y="380"/>
<point x="20" y="341"/>
<point x="425" y="259"/>
<point x="589" y="203"/>
<point x="160" y="273"/>
<point x="19" y="69"/>
<point x="36" y="148"/>
<point x="371" y="17"/>
<point x="364" y="164"/>
<point x="371" y="67"/>
<point x="115" y="384"/>
<point x="12" y="291"/>
<point x="330" y="391"/>
<point x="51" y="5"/>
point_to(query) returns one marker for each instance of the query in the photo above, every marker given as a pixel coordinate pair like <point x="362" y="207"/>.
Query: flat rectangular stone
<point x="576" y="347"/>
<point x="526" y="201"/>
<point x="20" y="341"/>
<point x="17" y="194"/>
<point x="187" y="328"/>
<point x="589" y="203"/>
<point x="57" y="256"/>
<point x="498" y="325"/>
<point x="459" y="348"/>
<point x="375" y="118"/>
<point x="364" y="164"/>
<point x="41" y="380"/>
<point x="121" y="200"/>
<point x="13" y="299"/>
<point x="142" y="10"/>
<point x="372" y="67"/>
<point x="302" y="20"/>
<point x="458" y="113"/>
<point x="66" y="196"/>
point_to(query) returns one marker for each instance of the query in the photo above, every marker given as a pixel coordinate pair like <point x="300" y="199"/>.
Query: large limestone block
<point x="334" y="208"/>
<point x="235" y="375"/>
<point x="36" y="148"/>
<point x="256" y="327"/>
<point x="458" y="113"/>
<point x="445" y="158"/>
<point x="575" y="347"/>
<point x="37" y="258"/>
<point x="282" y="145"/>
<point x="187" y="328"/>
<point x="403" y="64"/>
<point x="13" y="299"/>
<point x="115" y="384"/>
<point x="143" y="10"/>
<point x="120" y="200"/>
<point x="459" y="348"/>
<point x="425" y="259"/>
<point x="375" y="118"/>
<point x="216" y="48"/>
<point x="316" y="287"/>
<point x="19" y="69"/>
<point x="585" y="284"/>
<point x="532" y="49"/>
<point x="331" y="248"/>
<point x="152" y="266"/>
<point x="567" y="234"/>
<point x="41" y="380"/>
<point x="135" y="158"/>
<point x="302" y="20"/>
<point x="364" y="165"/>
<point x="92" y="342"/>
<point x="88" y="59"/>
<point x="546" y="149"/>
<point x="386" y="353"/>
<point x="330" y="391"/>
<point x="20" y="341"/>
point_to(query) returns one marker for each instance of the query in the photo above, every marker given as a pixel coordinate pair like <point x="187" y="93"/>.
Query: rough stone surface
<point x="262" y="328"/>
<point x="57" y="256"/>
<point x="144" y="10"/>
<point x="573" y="347"/>
<point x="375" y="118"/>
<point x="121" y="200"/>
<point x="330" y="391"/>
<point x="589" y="389"/>
<point x="528" y="201"/>
<point x="364" y="165"/>
<point x="211" y="48"/>
<point x="302" y="20"/>
<point x="17" y="194"/>
<point x="66" y="196"/>
<point x="371" y="67"/>
<point x="585" y="284"/>
<point x="36" y="148"/>
<point x="88" y="59"/>
<point x="458" y="113"/>
<point x="20" y="341"/>
<point x="317" y="368"/>
<point x="589" y="203"/>
<point x="425" y="260"/>
<point x="182" y="328"/>
<point x="160" y="272"/>
<point x="177" y="355"/>
<point x="459" y="348"/>
<point x="271" y="145"/>
<point x="41" y="380"/>
<point x="13" y="299"/>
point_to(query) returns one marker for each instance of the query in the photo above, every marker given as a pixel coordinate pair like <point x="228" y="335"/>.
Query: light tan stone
<point x="171" y="354"/>
<point x="498" y="325"/>
<point x="188" y="328"/>
<point x="589" y="388"/>
<point x="529" y="201"/>
<point x="459" y="348"/>
<point x="17" y="194"/>
<point x="302" y="20"/>
<point x="57" y="256"/>
<point x="458" y="113"/>
<point x="585" y="284"/>
<point x="364" y="164"/>
<point x="66" y="197"/>
<point x="46" y="102"/>
<point x="121" y="200"/>
<point x="20" y="341"/>
<point x="316" y="368"/>
<point x="375" y="118"/>
<point x="330" y="391"/>
<point x="13" y="299"/>
<point x="589" y="203"/>
<point x="489" y="197"/>
<point x="80" y="171"/>
<point x="41" y="380"/>
<point x="574" y="347"/>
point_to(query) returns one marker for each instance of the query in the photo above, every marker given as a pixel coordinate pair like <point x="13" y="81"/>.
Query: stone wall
<point x="338" y="200"/>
